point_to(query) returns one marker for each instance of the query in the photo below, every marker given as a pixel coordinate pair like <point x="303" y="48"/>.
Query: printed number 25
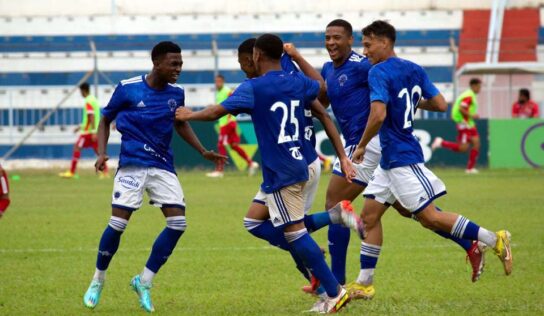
<point x="283" y="136"/>
<point x="410" y="106"/>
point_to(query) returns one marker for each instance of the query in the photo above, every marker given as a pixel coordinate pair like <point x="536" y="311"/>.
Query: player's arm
<point x="377" y="116"/>
<point x="304" y="66"/>
<point x="319" y="112"/>
<point x="103" y="136"/>
<point x="186" y="132"/>
<point x="435" y="104"/>
<point x="210" y="113"/>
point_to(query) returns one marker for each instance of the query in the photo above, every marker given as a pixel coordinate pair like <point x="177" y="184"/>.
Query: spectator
<point x="525" y="107"/>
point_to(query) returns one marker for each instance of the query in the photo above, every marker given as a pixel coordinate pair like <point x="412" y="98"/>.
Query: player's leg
<point x="127" y="197"/>
<point x="474" y="151"/>
<point x="460" y="145"/>
<point x="76" y="154"/>
<point x="4" y="192"/>
<point x="164" y="191"/>
<point x="219" y="165"/>
<point x="287" y="207"/>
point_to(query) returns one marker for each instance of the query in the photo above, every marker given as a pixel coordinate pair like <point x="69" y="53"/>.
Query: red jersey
<point x="527" y="110"/>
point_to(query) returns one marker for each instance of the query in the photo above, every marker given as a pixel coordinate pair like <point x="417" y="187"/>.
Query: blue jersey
<point x="276" y="102"/>
<point x="308" y="144"/>
<point x="145" y="118"/>
<point x="399" y="84"/>
<point x="348" y="93"/>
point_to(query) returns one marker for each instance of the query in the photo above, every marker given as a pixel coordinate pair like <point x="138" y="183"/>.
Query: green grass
<point x="49" y="236"/>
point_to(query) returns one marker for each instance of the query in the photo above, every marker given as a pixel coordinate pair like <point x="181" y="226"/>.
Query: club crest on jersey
<point x="342" y="79"/>
<point x="295" y="152"/>
<point x="172" y="104"/>
<point x="129" y="182"/>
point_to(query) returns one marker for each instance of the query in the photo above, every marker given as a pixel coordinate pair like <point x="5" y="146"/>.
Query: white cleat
<point x="437" y="143"/>
<point x="252" y="169"/>
<point x="215" y="174"/>
<point x="472" y="171"/>
<point x="330" y="305"/>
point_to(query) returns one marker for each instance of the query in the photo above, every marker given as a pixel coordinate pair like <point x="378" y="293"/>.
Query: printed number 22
<point x="410" y="106"/>
<point x="283" y="137"/>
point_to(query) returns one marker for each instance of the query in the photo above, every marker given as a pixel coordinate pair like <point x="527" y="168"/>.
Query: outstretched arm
<point x="319" y="112"/>
<point x="210" y="113"/>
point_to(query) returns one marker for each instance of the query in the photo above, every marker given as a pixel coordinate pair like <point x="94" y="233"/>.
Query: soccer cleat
<point x="503" y="251"/>
<point x="66" y="175"/>
<point x="253" y="166"/>
<point x="472" y="171"/>
<point x="330" y="305"/>
<point x="144" y="293"/>
<point x="215" y="174"/>
<point x="92" y="296"/>
<point x="437" y="143"/>
<point x="349" y="219"/>
<point x="359" y="291"/>
<point x="327" y="164"/>
<point x="104" y="175"/>
<point x="476" y="257"/>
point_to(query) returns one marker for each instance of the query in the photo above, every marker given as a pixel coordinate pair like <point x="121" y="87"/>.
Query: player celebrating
<point x="4" y="191"/>
<point x="87" y="130"/>
<point x="272" y="100"/>
<point x="398" y="87"/>
<point x="228" y="133"/>
<point x="143" y="108"/>
<point x="463" y="113"/>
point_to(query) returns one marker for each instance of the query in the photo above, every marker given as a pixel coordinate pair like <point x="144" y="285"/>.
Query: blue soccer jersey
<point x="348" y="93"/>
<point x="308" y="145"/>
<point x="145" y="118"/>
<point x="276" y="103"/>
<point x="399" y="84"/>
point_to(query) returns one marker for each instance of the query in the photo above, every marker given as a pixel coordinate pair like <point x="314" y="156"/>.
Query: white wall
<point x="15" y="8"/>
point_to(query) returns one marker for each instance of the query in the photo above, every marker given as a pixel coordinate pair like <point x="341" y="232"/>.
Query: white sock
<point x="487" y="237"/>
<point x="99" y="275"/>
<point x="366" y="276"/>
<point x="147" y="276"/>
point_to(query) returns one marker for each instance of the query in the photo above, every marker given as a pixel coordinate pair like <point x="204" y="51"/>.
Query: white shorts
<point x="364" y="170"/>
<point x="285" y="206"/>
<point x="162" y="187"/>
<point x="414" y="186"/>
<point x="309" y="191"/>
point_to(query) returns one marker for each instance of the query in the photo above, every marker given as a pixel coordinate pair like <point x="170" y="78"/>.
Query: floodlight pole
<point x="215" y="53"/>
<point x="95" y="67"/>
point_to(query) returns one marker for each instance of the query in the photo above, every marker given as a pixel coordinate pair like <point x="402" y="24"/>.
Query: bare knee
<point x="429" y="220"/>
<point x="464" y="147"/>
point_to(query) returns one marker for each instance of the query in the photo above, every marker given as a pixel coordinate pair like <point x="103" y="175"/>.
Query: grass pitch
<point x="49" y="237"/>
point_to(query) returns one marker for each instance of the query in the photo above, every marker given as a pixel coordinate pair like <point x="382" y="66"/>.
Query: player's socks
<point x="338" y="246"/>
<point x="164" y="245"/>
<point x="109" y="243"/>
<point x="242" y="153"/>
<point x="464" y="228"/>
<point x="75" y="158"/>
<point x="317" y="221"/>
<point x="264" y="229"/>
<point x="99" y="275"/>
<point x="4" y="203"/>
<point x="463" y="243"/>
<point x="309" y="251"/>
<point x="450" y="145"/>
<point x="472" y="156"/>
<point x="369" y="258"/>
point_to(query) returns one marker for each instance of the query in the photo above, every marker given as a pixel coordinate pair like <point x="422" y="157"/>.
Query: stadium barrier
<point x="516" y="143"/>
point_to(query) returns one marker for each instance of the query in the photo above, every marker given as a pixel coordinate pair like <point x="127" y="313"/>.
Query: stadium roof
<point x="507" y="68"/>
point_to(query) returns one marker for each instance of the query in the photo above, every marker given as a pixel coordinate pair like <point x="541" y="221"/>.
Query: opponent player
<point x="4" y="191"/>
<point x="275" y="101"/>
<point x="87" y="131"/>
<point x="228" y="133"/>
<point x="143" y="108"/>
<point x="398" y="87"/>
<point x="463" y="113"/>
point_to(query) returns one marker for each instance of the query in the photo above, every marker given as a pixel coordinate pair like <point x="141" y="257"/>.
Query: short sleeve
<point x="429" y="90"/>
<point x="377" y="81"/>
<point x="287" y="64"/>
<point x="116" y="104"/>
<point x="242" y="99"/>
<point x="89" y="109"/>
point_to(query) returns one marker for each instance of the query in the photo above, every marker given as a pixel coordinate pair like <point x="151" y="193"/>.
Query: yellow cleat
<point x="358" y="291"/>
<point x="503" y="251"/>
<point x="327" y="164"/>
<point x="104" y="175"/>
<point x="66" y="175"/>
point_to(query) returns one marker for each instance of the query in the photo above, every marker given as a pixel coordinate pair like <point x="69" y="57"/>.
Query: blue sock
<point x="309" y="251"/>
<point x="465" y="229"/>
<point x="369" y="258"/>
<point x="264" y="229"/>
<point x="338" y="247"/>
<point x="109" y="243"/>
<point x="316" y="221"/>
<point x="464" y="243"/>
<point x="166" y="242"/>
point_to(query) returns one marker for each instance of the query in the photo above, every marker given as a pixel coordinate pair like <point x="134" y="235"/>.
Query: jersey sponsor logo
<point x="356" y="58"/>
<point x="128" y="182"/>
<point x="342" y="79"/>
<point x="141" y="104"/>
<point x="152" y="152"/>
<point x="172" y="104"/>
<point x="308" y="132"/>
<point x="295" y="153"/>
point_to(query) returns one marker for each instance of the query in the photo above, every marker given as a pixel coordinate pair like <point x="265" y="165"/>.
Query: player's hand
<point x="290" y="50"/>
<point x="100" y="163"/>
<point x="183" y="113"/>
<point x="358" y="155"/>
<point x="347" y="169"/>
<point x="215" y="157"/>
